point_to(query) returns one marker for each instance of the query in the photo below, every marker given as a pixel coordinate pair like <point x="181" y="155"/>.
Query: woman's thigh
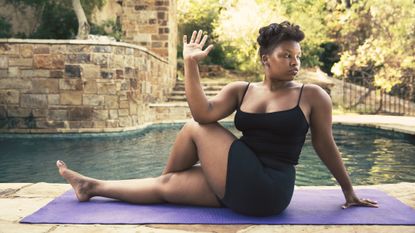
<point x="213" y="142"/>
<point x="188" y="187"/>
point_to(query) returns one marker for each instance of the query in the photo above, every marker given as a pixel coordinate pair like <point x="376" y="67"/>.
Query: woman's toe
<point x="60" y="163"/>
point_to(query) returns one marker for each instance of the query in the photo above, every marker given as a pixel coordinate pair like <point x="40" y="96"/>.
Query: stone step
<point x="176" y="98"/>
<point x="205" y="83"/>
<point x="182" y="92"/>
<point x="182" y="98"/>
<point x="171" y="104"/>
<point x="208" y="88"/>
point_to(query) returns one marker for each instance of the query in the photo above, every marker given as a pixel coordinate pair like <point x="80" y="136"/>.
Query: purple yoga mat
<point x="315" y="206"/>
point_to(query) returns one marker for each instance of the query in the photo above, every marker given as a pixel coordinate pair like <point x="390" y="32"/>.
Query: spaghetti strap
<point x="299" y="98"/>
<point x="244" y="95"/>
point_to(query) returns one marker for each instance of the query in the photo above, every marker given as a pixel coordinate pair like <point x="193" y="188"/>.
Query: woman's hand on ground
<point x="353" y="200"/>
<point x="193" y="49"/>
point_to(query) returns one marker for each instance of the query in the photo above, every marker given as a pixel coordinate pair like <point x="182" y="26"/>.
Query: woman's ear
<point x="264" y="60"/>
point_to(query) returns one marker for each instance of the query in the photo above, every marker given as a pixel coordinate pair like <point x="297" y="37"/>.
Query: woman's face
<point x="283" y="63"/>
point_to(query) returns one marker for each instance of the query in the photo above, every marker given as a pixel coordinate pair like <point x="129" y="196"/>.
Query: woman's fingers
<point x="202" y="43"/>
<point x="371" y="201"/>
<point x="361" y="202"/>
<point x="199" y="36"/>
<point x="185" y="39"/>
<point x="209" y="48"/>
<point x="347" y="205"/>
<point x="196" y="38"/>
<point x="192" y="39"/>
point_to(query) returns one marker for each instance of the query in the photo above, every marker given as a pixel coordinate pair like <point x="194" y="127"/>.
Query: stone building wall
<point x="79" y="86"/>
<point x="152" y="24"/>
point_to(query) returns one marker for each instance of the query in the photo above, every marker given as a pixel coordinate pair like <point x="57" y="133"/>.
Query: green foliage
<point x="201" y="14"/>
<point x="329" y="56"/>
<point x="5" y="28"/>
<point x="109" y="28"/>
<point x="90" y="5"/>
<point x="378" y="42"/>
<point x="310" y="15"/>
<point x="27" y="2"/>
<point x="57" y="22"/>
<point x="234" y="26"/>
<point x="240" y="35"/>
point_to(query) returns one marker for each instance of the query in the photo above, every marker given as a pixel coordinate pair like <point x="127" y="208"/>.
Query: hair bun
<point x="269" y="36"/>
<point x="268" y="32"/>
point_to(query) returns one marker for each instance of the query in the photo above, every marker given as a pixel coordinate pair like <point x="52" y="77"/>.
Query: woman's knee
<point x="193" y="126"/>
<point x="197" y="127"/>
<point x="190" y="125"/>
<point x="164" y="183"/>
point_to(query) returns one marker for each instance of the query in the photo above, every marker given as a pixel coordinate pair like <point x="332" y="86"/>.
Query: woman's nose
<point x="294" y="62"/>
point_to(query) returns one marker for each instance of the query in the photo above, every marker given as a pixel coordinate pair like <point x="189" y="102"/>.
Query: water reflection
<point x="371" y="156"/>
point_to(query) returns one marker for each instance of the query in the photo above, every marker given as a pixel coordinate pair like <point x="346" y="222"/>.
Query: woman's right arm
<point x="205" y="110"/>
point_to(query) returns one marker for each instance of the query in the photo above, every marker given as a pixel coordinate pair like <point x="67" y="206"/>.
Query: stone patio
<point x="18" y="200"/>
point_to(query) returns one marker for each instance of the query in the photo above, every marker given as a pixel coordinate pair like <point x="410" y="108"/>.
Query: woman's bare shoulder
<point x="313" y="90"/>
<point x="236" y="86"/>
<point x="316" y="95"/>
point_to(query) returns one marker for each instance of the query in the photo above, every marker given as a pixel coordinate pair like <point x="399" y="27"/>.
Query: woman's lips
<point x="293" y="71"/>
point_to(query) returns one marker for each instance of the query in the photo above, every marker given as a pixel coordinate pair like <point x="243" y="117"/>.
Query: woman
<point x="252" y="175"/>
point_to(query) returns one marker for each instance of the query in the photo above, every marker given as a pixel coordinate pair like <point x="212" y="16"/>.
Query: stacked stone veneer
<point x="152" y="24"/>
<point x="76" y="86"/>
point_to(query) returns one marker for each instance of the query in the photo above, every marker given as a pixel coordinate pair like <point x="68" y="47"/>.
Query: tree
<point x="201" y="14"/>
<point x="5" y="28"/>
<point x="378" y="41"/>
<point x="83" y="25"/>
<point x="241" y="34"/>
<point x="61" y="19"/>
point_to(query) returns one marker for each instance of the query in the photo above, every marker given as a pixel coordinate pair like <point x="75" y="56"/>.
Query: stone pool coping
<point x="402" y="124"/>
<point x="18" y="200"/>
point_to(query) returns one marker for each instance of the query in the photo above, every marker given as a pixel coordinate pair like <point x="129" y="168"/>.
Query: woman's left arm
<point x="325" y="146"/>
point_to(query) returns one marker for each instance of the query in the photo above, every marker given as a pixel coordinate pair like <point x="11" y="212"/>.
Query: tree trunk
<point x="83" y="28"/>
<point x="348" y="4"/>
<point x="38" y="18"/>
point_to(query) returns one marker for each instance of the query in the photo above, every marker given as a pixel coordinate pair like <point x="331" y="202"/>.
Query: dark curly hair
<point x="270" y="36"/>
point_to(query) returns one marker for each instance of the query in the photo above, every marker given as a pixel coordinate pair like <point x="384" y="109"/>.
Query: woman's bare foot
<point x="82" y="185"/>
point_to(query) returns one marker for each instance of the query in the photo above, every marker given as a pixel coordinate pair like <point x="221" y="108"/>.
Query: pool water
<point x="372" y="156"/>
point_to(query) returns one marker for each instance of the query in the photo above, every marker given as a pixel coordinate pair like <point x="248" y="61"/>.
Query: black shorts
<point x="253" y="188"/>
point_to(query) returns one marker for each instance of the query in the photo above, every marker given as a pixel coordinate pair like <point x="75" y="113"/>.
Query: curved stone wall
<point x="79" y="86"/>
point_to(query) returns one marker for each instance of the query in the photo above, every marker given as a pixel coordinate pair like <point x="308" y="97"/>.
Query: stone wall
<point x="152" y="24"/>
<point x="79" y="86"/>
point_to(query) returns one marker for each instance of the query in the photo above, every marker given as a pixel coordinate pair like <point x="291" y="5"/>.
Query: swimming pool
<point x="372" y="156"/>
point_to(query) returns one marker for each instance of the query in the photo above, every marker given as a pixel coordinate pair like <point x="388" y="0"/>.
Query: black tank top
<point x="274" y="136"/>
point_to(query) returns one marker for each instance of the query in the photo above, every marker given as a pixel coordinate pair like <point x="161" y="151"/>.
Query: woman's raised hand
<point x="193" y="49"/>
